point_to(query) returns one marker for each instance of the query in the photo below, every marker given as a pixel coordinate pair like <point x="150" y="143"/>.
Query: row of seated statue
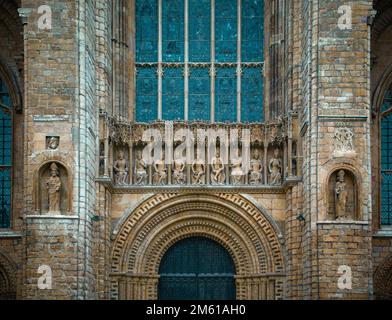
<point x="199" y="172"/>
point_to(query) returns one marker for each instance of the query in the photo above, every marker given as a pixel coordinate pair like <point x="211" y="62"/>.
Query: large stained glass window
<point x="386" y="160"/>
<point x="199" y="60"/>
<point x="5" y="156"/>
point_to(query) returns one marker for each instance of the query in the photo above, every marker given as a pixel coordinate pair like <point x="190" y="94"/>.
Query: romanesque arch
<point x="145" y="234"/>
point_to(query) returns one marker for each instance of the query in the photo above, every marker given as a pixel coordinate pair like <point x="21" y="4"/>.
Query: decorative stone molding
<point x="154" y="226"/>
<point x="344" y="142"/>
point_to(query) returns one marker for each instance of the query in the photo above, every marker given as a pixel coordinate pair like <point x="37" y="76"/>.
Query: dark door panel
<point x="197" y="269"/>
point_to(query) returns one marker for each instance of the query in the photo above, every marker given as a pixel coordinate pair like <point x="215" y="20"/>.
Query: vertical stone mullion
<point x="186" y="61"/>
<point x="212" y="70"/>
<point x="239" y="58"/>
<point x="160" y="68"/>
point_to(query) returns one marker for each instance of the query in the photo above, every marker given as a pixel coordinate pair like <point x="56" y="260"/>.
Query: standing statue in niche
<point x="198" y="170"/>
<point x="179" y="171"/>
<point x="341" y="196"/>
<point x="121" y="169"/>
<point x="275" y="169"/>
<point x="53" y="184"/>
<point x="160" y="172"/>
<point x="140" y="169"/>
<point x="218" y="175"/>
<point x="236" y="171"/>
<point x="256" y="169"/>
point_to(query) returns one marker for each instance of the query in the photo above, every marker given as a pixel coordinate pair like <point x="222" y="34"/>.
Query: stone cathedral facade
<point x="301" y="88"/>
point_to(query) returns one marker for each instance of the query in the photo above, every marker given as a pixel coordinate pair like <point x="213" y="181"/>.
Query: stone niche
<point x="342" y="196"/>
<point x="53" y="191"/>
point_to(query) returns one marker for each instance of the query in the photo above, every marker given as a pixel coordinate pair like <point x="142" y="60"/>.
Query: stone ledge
<point x="148" y="189"/>
<point x="48" y="217"/>
<point x="383" y="233"/>
<point x="51" y="118"/>
<point x="331" y="222"/>
<point x="10" y="234"/>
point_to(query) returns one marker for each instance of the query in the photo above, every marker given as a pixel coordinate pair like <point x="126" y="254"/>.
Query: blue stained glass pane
<point x="386" y="161"/>
<point x="386" y="198"/>
<point x="173" y="94"/>
<point x="146" y="30"/>
<point x="226" y="95"/>
<point x="147" y="95"/>
<point x="252" y="95"/>
<point x="199" y="30"/>
<point x="226" y="30"/>
<point x="5" y="156"/>
<point x="199" y="94"/>
<point x="173" y="30"/>
<point x="252" y="30"/>
<point x="5" y="197"/>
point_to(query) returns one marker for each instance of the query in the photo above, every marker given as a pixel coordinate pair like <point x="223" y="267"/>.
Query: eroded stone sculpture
<point x="344" y="142"/>
<point x="53" y="143"/>
<point x="121" y="169"/>
<point x="140" y="169"/>
<point x="198" y="170"/>
<point x="179" y="171"/>
<point x="218" y="175"/>
<point x="53" y="184"/>
<point x="256" y="169"/>
<point x="341" y="196"/>
<point x="237" y="173"/>
<point x="275" y="169"/>
<point x="160" y="172"/>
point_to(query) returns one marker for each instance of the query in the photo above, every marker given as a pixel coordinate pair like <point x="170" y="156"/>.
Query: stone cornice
<point x="107" y="182"/>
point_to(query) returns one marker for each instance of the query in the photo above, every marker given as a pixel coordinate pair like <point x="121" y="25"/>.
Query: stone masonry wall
<point x="340" y="98"/>
<point x="61" y="101"/>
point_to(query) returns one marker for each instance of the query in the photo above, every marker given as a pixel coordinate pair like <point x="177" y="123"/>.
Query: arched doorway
<point x="197" y="268"/>
<point x="149" y="230"/>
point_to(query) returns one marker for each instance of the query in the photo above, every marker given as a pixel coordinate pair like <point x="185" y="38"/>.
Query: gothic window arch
<point x="386" y="158"/>
<point x="6" y="119"/>
<point x="199" y="60"/>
